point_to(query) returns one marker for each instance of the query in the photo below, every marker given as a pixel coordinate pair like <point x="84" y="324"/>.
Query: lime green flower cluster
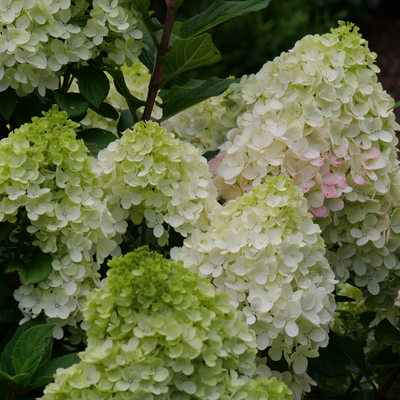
<point x="47" y="183"/>
<point x="159" y="331"/>
<point x="150" y="174"/>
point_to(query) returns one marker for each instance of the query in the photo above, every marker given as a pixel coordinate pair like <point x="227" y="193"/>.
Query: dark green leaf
<point x="148" y="56"/>
<point x="341" y="299"/>
<point x="330" y="363"/>
<point x="151" y="23"/>
<point x="44" y="374"/>
<point x="187" y="54"/>
<point x="93" y="84"/>
<point x="14" y="380"/>
<point x="209" y="155"/>
<point x="386" y="356"/>
<point x="218" y="12"/>
<point x="353" y="350"/>
<point x="96" y="137"/>
<point x="8" y="102"/>
<point x="73" y="104"/>
<point x="176" y="28"/>
<point x="5" y="229"/>
<point x="366" y="395"/>
<point x="119" y="82"/>
<point x="15" y="265"/>
<point x="182" y="101"/>
<point x="386" y="332"/>
<point x="37" y="270"/>
<point x="167" y="95"/>
<point x="31" y="346"/>
<point x="126" y="121"/>
<point x="107" y="110"/>
<point x="5" y="358"/>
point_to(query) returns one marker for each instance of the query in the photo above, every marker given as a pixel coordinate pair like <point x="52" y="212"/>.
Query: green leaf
<point x="396" y="105"/>
<point x="73" y="104"/>
<point x="386" y="332"/>
<point x="151" y="23"/>
<point x="93" y="84"/>
<point x="107" y="110"/>
<point x="5" y="358"/>
<point x="366" y="395"/>
<point x="96" y="137"/>
<point x="148" y="56"/>
<point x="386" y="356"/>
<point x="218" y="12"/>
<point x="187" y="54"/>
<point x="341" y="299"/>
<point x="44" y="374"/>
<point x="8" y="102"/>
<point x="329" y="363"/>
<point x="119" y="83"/>
<point x="37" y="270"/>
<point x="126" y="121"/>
<point x="353" y="350"/>
<point x="209" y="155"/>
<point x="15" y="265"/>
<point x="31" y="346"/>
<point x="5" y="229"/>
<point x="167" y="95"/>
<point x="14" y="380"/>
<point x="182" y="101"/>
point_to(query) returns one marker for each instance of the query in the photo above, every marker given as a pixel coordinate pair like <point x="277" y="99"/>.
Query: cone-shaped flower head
<point x="264" y="250"/>
<point x="150" y="174"/>
<point x="159" y="331"/>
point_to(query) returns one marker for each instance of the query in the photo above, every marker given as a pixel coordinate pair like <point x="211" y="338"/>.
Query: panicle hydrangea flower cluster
<point x="157" y="330"/>
<point x="48" y="182"/>
<point x="201" y="125"/>
<point x="38" y="38"/>
<point x="264" y="250"/>
<point x="318" y="115"/>
<point x="149" y="174"/>
<point x="137" y="79"/>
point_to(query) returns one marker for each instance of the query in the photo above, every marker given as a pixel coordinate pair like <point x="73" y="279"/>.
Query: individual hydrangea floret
<point x="318" y="115"/>
<point x="201" y="125"/>
<point x="48" y="184"/>
<point x="152" y="176"/>
<point x="157" y="330"/>
<point x="39" y="38"/>
<point x="264" y="250"/>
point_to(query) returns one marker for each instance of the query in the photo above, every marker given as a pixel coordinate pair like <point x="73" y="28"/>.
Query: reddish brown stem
<point x="158" y="69"/>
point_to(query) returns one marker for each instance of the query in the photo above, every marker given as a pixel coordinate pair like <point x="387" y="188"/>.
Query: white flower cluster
<point x="149" y="174"/>
<point x="318" y="115"/>
<point x="39" y="37"/>
<point x="137" y="79"/>
<point x="200" y="125"/>
<point x="265" y="251"/>
<point x="47" y="181"/>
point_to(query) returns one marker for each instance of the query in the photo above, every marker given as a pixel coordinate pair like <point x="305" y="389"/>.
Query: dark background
<point x="246" y="43"/>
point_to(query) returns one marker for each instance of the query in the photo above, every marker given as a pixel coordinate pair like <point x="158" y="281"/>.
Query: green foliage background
<point x="246" y="43"/>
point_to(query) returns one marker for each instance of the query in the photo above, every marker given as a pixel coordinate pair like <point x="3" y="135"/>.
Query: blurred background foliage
<point x="246" y="43"/>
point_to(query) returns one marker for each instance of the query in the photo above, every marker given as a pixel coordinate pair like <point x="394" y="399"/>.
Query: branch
<point x="388" y="384"/>
<point x="158" y="69"/>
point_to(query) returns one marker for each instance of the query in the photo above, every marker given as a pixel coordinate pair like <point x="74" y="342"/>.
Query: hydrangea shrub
<point x="159" y="331"/>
